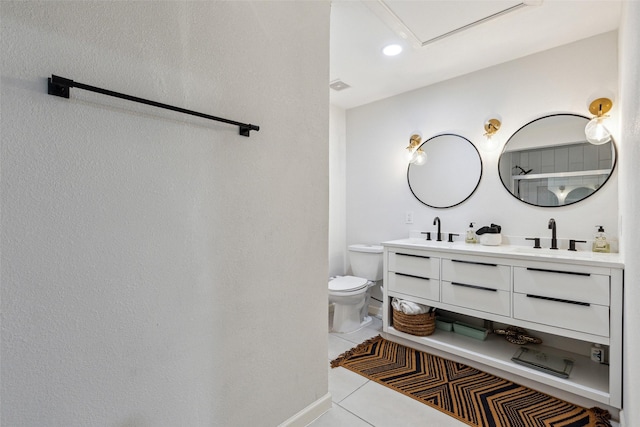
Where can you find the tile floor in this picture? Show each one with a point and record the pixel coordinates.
(359, 402)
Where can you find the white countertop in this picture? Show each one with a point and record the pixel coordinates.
(612, 260)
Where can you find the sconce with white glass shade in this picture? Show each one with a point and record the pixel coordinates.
(491, 127)
(415, 155)
(595, 130)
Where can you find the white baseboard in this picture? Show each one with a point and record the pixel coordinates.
(310, 413)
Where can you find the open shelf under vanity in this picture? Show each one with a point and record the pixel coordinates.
(587, 378)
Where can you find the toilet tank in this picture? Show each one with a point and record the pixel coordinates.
(366, 261)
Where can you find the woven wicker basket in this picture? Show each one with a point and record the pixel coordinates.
(414, 324)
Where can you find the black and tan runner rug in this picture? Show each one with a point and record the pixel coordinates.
(472, 396)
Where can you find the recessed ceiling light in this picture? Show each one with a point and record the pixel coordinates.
(392, 49)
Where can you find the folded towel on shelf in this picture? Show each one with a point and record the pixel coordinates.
(409, 307)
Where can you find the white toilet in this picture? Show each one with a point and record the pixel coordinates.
(350, 294)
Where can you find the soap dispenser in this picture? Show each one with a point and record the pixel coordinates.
(600, 243)
(471, 235)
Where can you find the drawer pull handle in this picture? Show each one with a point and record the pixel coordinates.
(415, 256)
(566, 301)
(482, 288)
(474, 262)
(410, 275)
(575, 273)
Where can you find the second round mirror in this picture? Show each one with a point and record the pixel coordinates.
(549, 163)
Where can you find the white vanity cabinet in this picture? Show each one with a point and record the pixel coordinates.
(574, 299)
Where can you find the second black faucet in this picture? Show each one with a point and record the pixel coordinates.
(554, 237)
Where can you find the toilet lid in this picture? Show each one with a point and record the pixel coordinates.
(347, 283)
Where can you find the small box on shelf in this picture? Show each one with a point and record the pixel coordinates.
(476, 332)
(444, 323)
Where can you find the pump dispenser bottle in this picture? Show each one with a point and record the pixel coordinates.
(600, 243)
(471, 235)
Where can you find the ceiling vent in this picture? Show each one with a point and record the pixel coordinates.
(338, 85)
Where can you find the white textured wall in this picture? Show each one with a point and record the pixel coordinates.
(563, 79)
(337, 192)
(159, 269)
(630, 202)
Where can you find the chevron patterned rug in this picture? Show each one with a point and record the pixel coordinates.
(472, 396)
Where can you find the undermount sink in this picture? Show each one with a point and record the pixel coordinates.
(550, 252)
(528, 250)
(432, 243)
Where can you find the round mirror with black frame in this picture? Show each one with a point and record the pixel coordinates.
(451, 173)
(549, 163)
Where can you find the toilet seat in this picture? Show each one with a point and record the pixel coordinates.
(347, 284)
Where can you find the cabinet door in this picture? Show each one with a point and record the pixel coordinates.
(485, 274)
(416, 286)
(415, 265)
(561, 297)
(575, 315)
(481, 298)
(572, 285)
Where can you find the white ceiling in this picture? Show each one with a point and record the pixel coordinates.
(361, 28)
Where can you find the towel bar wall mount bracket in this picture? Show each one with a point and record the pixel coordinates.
(60, 86)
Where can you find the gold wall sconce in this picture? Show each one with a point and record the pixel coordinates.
(415, 155)
(491, 127)
(595, 131)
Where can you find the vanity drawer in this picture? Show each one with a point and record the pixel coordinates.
(485, 274)
(567, 314)
(487, 299)
(565, 285)
(415, 286)
(415, 265)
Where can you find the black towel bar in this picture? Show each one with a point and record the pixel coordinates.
(59, 86)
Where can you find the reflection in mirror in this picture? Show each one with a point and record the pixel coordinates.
(451, 174)
(548, 162)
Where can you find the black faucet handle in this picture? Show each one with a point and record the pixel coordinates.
(428, 233)
(572, 244)
(451, 237)
(536, 242)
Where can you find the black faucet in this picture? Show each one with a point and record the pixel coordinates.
(554, 238)
(436, 220)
